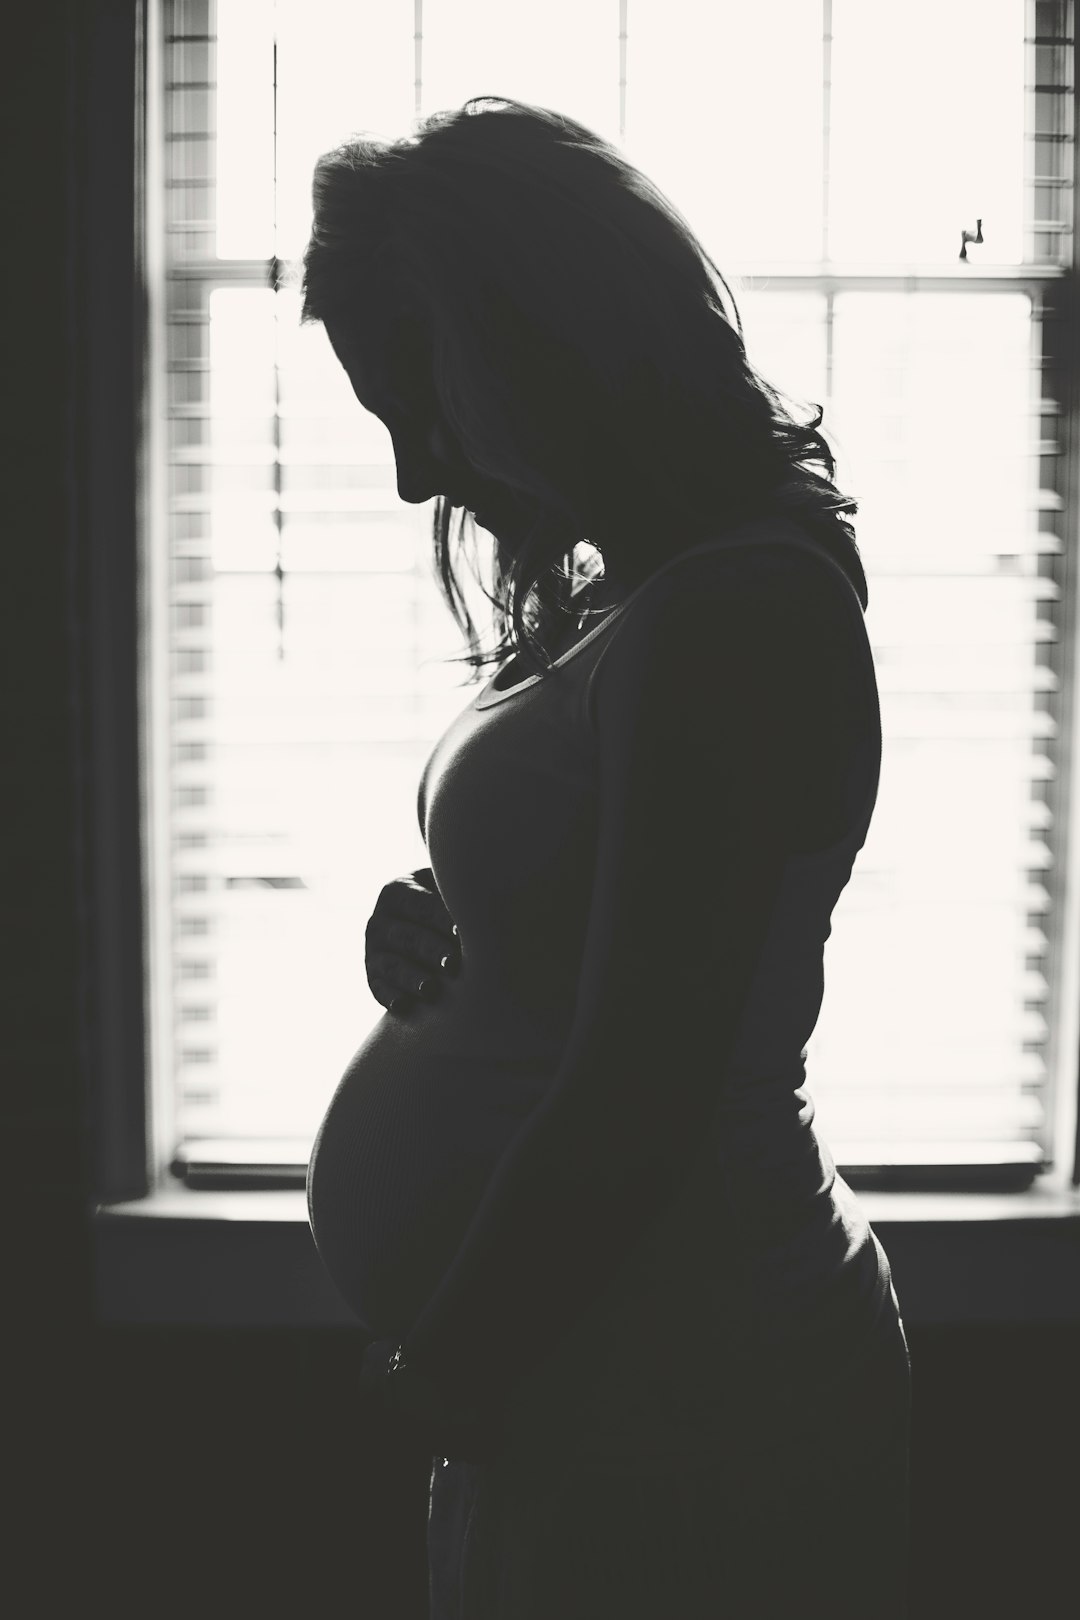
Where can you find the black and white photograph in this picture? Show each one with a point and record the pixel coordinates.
(541, 1033)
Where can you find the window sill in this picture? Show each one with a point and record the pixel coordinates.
(247, 1259)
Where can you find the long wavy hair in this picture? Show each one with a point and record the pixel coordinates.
(582, 345)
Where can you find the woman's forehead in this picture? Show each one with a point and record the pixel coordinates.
(358, 349)
(366, 365)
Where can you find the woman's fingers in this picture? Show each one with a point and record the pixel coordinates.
(390, 976)
(404, 959)
(405, 899)
(403, 971)
(418, 945)
(410, 942)
(388, 992)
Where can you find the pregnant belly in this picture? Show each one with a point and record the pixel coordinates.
(420, 1118)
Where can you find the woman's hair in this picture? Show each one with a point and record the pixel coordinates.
(576, 337)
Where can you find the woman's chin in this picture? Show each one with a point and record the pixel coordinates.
(494, 524)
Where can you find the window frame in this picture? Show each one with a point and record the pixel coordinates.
(168, 1253)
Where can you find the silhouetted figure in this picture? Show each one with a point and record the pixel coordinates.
(573, 1188)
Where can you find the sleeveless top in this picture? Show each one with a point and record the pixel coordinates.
(762, 1266)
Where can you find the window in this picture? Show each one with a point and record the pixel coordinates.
(906, 273)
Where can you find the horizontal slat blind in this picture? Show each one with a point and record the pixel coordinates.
(305, 685)
(929, 1040)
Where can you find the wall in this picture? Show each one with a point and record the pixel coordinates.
(237, 1448)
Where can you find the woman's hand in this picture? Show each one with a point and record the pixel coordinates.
(411, 940)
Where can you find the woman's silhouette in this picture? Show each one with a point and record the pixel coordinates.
(573, 1189)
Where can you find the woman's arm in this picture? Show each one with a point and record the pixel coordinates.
(722, 707)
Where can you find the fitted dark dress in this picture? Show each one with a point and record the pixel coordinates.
(586, 1185)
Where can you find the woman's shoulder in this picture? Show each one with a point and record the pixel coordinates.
(772, 545)
(767, 607)
(774, 558)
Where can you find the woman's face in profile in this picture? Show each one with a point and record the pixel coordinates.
(428, 458)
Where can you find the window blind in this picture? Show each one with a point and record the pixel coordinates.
(304, 682)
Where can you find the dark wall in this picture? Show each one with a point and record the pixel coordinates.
(251, 1430)
(46, 1264)
(190, 1464)
(46, 1257)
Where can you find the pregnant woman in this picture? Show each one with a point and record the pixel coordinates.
(572, 1186)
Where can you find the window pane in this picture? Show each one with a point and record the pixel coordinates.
(927, 132)
(562, 54)
(302, 708)
(245, 129)
(319, 726)
(932, 395)
(342, 69)
(241, 494)
(785, 341)
(924, 965)
(724, 113)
